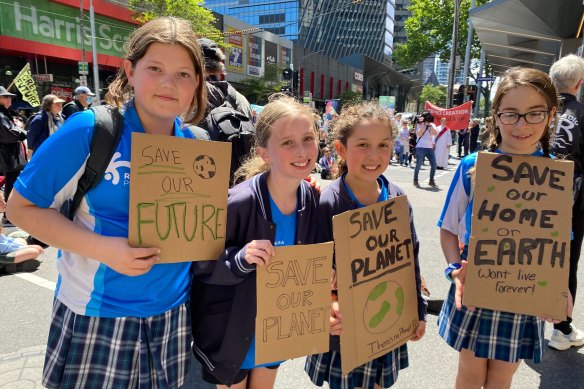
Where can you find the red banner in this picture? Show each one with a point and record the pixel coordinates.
(457, 118)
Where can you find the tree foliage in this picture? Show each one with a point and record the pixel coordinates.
(434, 94)
(257, 90)
(429, 31)
(201, 18)
(349, 98)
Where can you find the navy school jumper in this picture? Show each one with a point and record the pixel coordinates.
(223, 295)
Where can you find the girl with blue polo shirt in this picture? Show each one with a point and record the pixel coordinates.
(119, 320)
(275, 206)
(491, 344)
(364, 145)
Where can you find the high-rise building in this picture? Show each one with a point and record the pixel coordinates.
(402, 13)
(336, 29)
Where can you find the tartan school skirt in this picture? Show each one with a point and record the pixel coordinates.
(382, 371)
(490, 334)
(125, 352)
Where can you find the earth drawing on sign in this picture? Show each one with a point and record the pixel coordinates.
(204, 167)
(384, 306)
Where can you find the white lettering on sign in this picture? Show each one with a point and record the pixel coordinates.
(358, 76)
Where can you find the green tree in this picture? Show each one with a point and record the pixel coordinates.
(349, 98)
(429, 31)
(201, 18)
(434, 94)
(258, 89)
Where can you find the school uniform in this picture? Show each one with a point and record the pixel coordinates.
(224, 291)
(490, 334)
(334, 200)
(108, 330)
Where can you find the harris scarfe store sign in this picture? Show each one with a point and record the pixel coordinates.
(59, 25)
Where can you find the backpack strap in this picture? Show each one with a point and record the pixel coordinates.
(231, 97)
(107, 132)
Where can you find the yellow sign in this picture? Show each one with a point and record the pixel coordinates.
(25, 84)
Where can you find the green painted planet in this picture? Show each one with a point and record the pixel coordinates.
(384, 306)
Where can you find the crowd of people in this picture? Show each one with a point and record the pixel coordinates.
(120, 319)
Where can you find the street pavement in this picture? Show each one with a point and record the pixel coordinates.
(27, 299)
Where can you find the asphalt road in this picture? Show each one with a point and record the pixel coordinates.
(26, 300)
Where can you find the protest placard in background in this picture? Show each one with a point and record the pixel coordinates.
(376, 282)
(518, 257)
(178, 196)
(294, 302)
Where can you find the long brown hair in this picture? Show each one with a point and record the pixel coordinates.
(168, 30)
(280, 106)
(532, 78)
(344, 126)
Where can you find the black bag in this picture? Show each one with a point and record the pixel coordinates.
(108, 129)
(227, 124)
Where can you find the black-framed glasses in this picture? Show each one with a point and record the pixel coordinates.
(533, 117)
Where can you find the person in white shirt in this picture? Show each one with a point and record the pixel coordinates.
(442, 142)
(425, 131)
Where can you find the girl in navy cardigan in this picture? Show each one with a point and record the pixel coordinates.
(273, 207)
(364, 145)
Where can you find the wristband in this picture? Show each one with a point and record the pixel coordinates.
(451, 267)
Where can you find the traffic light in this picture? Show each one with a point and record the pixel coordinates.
(287, 74)
(471, 91)
(459, 97)
(295, 80)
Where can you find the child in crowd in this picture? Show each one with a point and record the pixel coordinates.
(493, 343)
(119, 319)
(16, 254)
(364, 143)
(275, 206)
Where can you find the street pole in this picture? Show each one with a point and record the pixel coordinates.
(454, 45)
(94, 50)
(468, 46)
(82, 30)
(479, 84)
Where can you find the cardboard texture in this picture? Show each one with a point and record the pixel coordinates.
(294, 303)
(178, 196)
(518, 258)
(376, 282)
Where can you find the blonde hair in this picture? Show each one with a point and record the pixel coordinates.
(351, 117)
(169, 30)
(280, 106)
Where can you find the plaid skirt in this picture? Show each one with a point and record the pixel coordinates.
(490, 334)
(124, 352)
(382, 371)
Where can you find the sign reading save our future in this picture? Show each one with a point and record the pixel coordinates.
(518, 259)
(178, 196)
(376, 283)
(294, 303)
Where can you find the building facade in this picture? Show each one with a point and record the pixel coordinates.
(53, 37)
(365, 28)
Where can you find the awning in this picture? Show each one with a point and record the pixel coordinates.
(526, 32)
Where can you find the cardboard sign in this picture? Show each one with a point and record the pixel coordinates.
(518, 258)
(178, 196)
(294, 303)
(376, 282)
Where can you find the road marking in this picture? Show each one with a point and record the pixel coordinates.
(37, 280)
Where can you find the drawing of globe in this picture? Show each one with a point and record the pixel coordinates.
(204, 167)
(384, 307)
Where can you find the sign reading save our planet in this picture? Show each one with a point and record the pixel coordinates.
(376, 280)
(518, 257)
(178, 196)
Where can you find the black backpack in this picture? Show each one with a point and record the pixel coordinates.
(108, 129)
(226, 124)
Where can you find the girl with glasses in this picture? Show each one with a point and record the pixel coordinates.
(491, 344)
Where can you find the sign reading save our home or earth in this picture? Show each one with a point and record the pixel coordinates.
(294, 303)
(518, 257)
(178, 196)
(376, 283)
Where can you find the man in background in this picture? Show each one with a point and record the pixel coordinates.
(81, 101)
(567, 75)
